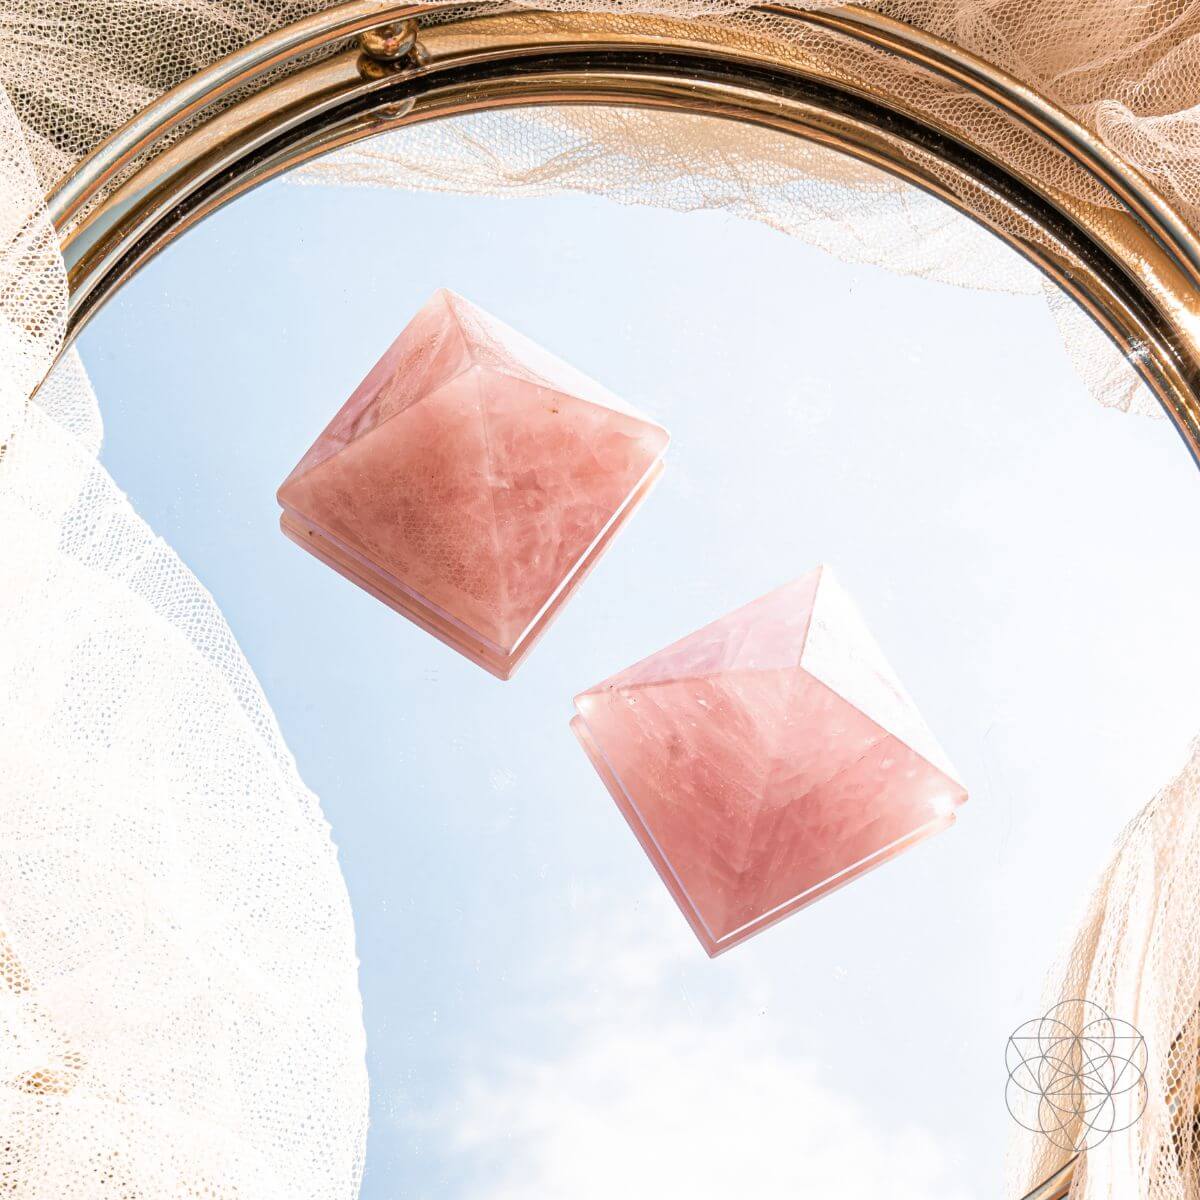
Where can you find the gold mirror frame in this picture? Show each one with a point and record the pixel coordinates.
(1131, 262)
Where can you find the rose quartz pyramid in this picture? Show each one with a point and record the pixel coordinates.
(471, 481)
(767, 759)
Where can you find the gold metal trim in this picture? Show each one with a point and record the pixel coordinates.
(1057, 1186)
(1032, 109)
(1134, 264)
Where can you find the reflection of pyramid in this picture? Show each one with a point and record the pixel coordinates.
(767, 759)
(471, 481)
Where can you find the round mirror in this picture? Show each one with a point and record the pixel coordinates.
(540, 1019)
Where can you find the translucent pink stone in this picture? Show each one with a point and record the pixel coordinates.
(471, 481)
(767, 759)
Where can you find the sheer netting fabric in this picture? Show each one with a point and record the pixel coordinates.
(1136, 954)
(178, 992)
(179, 1006)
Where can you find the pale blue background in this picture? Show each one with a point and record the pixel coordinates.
(540, 1021)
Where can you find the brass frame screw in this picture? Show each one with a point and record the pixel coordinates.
(389, 43)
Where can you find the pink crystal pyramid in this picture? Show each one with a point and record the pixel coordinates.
(767, 759)
(471, 481)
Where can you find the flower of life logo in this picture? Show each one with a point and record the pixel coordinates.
(1076, 1075)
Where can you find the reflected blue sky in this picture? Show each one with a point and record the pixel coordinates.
(541, 1022)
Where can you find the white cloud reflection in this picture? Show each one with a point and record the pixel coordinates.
(645, 1096)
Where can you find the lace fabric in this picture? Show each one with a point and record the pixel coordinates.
(178, 984)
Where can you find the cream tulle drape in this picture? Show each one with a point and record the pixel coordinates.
(1137, 954)
(179, 1010)
(178, 998)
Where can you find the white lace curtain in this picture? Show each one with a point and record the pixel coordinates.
(179, 1007)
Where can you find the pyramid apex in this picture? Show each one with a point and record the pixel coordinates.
(766, 634)
(842, 652)
(453, 299)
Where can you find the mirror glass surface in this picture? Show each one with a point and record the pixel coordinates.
(541, 1022)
